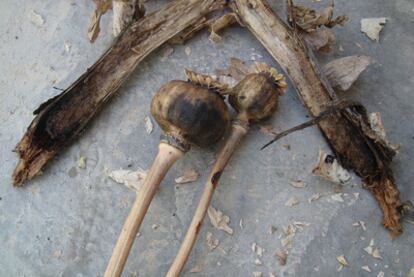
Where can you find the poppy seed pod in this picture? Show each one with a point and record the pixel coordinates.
(256, 97)
(190, 112)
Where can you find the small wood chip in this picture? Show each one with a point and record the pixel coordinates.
(366, 268)
(82, 162)
(219, 220)
(212, 242)
(298, 184)
(148, 125)
(188, 177)
(293, 201)
(281, 254)
(196, 269)
(373, 26)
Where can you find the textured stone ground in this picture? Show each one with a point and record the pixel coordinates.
(65, 223)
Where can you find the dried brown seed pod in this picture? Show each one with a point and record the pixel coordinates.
(256, 97)
(190, 112)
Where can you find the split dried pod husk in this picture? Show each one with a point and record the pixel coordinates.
(255, 98)
(190, 112)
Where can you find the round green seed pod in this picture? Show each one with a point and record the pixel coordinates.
(256, 97)
(189, 112)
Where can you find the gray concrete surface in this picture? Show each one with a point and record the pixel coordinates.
(66, 222)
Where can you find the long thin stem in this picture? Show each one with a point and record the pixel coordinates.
(166, 157)
(236, 135)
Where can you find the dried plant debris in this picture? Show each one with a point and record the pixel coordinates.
(196, 269)
(375, 122)
(281, 255)
(237, 70)
(149, 127)
(129, 178)
(293, 201)
(298, 184)
(257, 262)
(272, 230)
(381, 274)
(102, 6)
(257, 274)
(36, 18)
(361, 224)
(329, 168)
(268, 130)
(219, 24)
(366, 268)
(219, 220)
(342, 262)
(320, 40)
(166, 53)
(337, 197)
(310, 20)
(373, 26)
(257, 249)
(289, 233)
(212, 242)
(343, 72)
(189, 176)
(82, 162)
(314, 197)
(125, 11)
(373, 251)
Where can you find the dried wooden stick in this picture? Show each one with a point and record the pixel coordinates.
(62, 118)
(255, 98)
(189, 113)
(348, 132)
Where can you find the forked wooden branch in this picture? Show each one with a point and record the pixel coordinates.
(61, 119)
(348, 132)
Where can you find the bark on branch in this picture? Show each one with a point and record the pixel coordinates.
(62, 118)
(348, 132)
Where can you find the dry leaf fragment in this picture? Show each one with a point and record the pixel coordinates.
(131, 179)
(281, 254)
(366, 268)
(373, 26)
(257, 249)
(36, 18)
(343, 72)
(188, 177)
(221, 23)
(360, 224)
(320, 40)
(292, 201)
(82, 162)
(148, 125)
(268, 130)
(237, 70)
(376, 254)
(211, 241)
(257, 274)
(329, 168)
(298, 184)
(289, 232)
(219, 220)
(309, 20)
(102, 6)
(381, 274)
